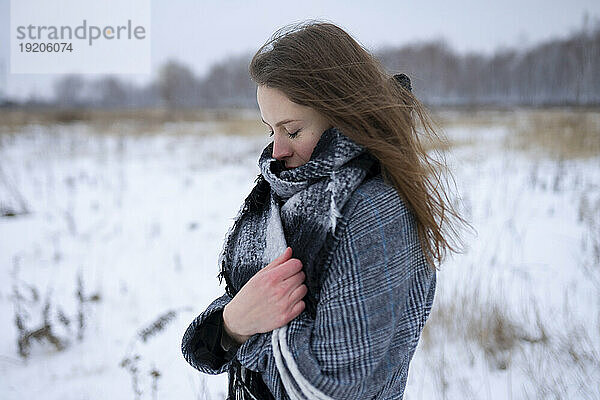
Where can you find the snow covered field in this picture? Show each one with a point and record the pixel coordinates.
(113, 251)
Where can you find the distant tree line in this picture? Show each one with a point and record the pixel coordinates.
(557, 72)
(225, 85)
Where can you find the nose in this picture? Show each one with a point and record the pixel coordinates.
(280, 149)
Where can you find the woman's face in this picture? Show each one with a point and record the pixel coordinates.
(296, 129)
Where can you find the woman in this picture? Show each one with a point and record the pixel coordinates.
(331, 263)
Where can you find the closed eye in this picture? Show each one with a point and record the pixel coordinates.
(290, 135)
(293, 135)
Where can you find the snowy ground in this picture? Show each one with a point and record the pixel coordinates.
(139, 220)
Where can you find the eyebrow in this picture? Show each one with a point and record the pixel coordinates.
(285, 121)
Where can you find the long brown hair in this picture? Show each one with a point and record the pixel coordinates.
(317, 64)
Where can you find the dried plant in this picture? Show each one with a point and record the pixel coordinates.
(82, 300)
(131, 365)
(158, 325)
(155, 374)
(42, 333)
(564, 134)
(45, 330)
(6, 210)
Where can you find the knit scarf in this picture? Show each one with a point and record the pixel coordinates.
(295, 207)
(298, 208)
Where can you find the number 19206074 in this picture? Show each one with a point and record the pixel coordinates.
(45, 47)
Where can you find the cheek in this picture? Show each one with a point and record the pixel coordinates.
(303, 150)
(308, 147)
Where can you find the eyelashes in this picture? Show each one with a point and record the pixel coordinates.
(291, 135)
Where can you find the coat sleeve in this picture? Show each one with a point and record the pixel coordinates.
(201, 343)
(375, 299)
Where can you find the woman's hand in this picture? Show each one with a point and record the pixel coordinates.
(269, 300)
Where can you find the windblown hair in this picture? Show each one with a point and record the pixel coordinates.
(317, 64)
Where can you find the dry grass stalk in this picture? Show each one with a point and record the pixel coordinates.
(158, 325)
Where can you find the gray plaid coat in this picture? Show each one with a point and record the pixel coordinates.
(376, 295)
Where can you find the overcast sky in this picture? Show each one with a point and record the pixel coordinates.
(199, 33)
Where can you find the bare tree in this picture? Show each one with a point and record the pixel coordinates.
(68, 90)
(227, 83)
(177, 85)
(111, 92)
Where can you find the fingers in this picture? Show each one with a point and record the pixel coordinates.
(291, 314)
(297, 309)
(294, 281)
(288, 269)
(287, 253)
(298, 293)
